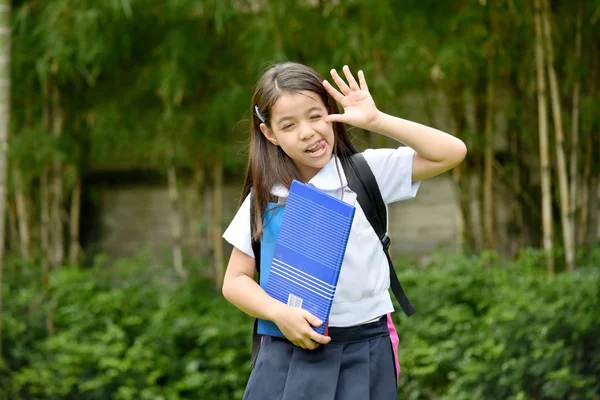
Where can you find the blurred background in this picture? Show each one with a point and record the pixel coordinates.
(125, 124)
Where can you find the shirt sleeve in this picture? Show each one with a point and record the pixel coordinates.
(238, 232)
(393, 171)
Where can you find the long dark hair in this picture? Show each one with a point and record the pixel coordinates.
(268, 164)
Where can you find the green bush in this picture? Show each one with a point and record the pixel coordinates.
(485, 329)
(505, 332)
(121, 333)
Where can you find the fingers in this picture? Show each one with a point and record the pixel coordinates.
(337, 96)
(350, 78)
(362, 80)
(336, 118)
(312, 340)
(340, 82)
(320, 339)
(313, 320)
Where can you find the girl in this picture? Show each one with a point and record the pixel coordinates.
(297, 133)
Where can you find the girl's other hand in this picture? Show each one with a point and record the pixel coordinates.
(359, 107)
(295, 323)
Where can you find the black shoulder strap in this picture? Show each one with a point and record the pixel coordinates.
(362, 182)
(256, 249)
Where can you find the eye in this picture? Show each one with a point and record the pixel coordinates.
(287, 127)
(315, 117)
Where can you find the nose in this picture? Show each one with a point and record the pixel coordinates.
(306, 132)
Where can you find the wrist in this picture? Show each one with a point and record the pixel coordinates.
(377, 123)
(276, 310)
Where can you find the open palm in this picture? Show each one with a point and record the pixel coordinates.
(355, 99)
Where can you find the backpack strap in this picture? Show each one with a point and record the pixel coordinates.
(362, 182)
(256, 338)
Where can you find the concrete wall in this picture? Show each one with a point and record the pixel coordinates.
(135, 218)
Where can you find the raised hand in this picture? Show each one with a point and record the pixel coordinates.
(359, 107)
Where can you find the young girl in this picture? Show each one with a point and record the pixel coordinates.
(297, 133)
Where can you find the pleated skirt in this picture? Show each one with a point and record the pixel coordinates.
(358, 364)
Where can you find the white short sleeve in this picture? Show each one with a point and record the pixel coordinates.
(238, 232)
(393, 171)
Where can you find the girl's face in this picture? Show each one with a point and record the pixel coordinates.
(298, 126)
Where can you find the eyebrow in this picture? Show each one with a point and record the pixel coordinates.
(313, 108)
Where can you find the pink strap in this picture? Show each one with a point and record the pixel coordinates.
(395, 341)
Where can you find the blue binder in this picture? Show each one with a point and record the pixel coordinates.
(302, 251)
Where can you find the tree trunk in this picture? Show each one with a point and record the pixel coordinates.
(22, 213)
(574, 172)
(516, 228)
(5, 52)
(45, 233)
(489, 217)
(589, 164)
(584, 221)
(45, 224)
(563, 179)
(478, 155)
(12, 238)
(199, 200)
(75, 248)
(593, 232)
(176, 223)
(217, 217)
(544, 148)
(56, 211)
(465, 239)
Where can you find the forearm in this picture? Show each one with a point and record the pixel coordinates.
(428, 142)
(243, 292)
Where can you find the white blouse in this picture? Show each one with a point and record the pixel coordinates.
(362, 292)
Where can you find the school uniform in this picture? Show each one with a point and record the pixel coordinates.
(360, 362)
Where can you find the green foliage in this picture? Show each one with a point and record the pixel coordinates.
(501, 332)
(127, 333)
(485, 329)
(147, 83)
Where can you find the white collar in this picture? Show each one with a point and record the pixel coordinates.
(327, 179)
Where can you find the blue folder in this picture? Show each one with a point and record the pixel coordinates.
(303, 247)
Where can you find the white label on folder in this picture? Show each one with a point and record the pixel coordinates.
(294, 301)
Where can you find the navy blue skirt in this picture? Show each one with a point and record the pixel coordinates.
(358, 364)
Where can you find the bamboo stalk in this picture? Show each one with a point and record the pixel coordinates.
(489, 218)
(594, 210)
(465, 239)
(587, 195)
(45, 224)
(75, 248)
(5, 52)
(478, 172)
(217, 215)
(176, 222)
(198, 179)
(584, 220)
(574, 172)
(56, 213)
(22, 213)
(563, 179)
(13, 231)
(516, 208)
(547, 227)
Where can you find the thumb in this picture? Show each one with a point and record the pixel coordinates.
(336, 118)
(314, 321)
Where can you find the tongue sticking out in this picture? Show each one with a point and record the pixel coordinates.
(317, 148)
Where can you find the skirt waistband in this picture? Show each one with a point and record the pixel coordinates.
(358, 333)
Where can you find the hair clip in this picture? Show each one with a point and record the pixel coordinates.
(258, 114)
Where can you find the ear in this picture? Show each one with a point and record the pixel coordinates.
(269, 134)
